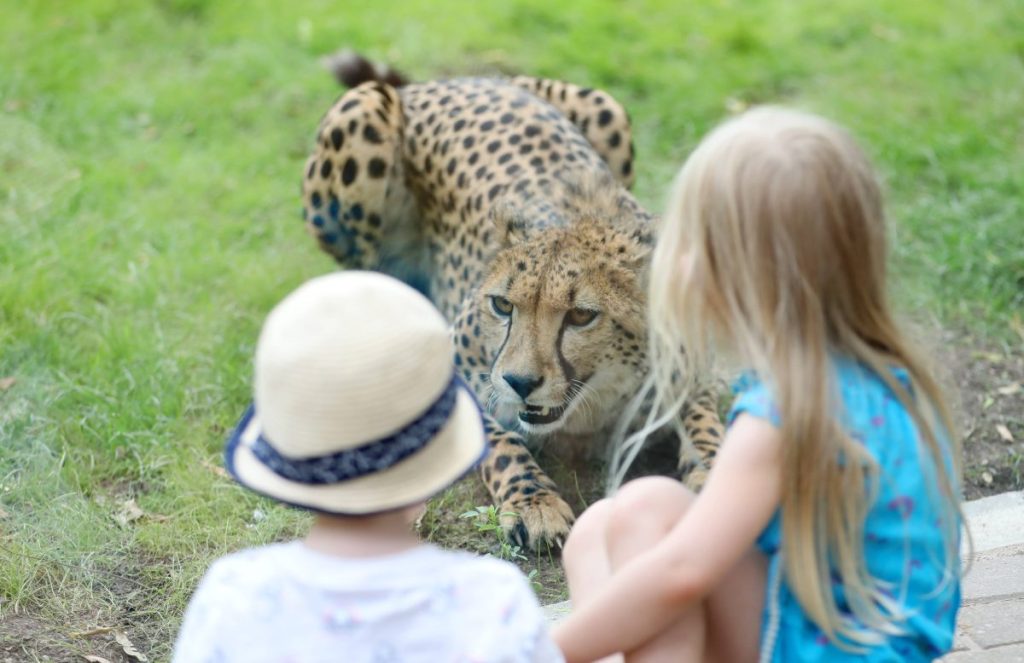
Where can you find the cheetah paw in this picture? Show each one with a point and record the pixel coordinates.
(537, 522)
(695, 477)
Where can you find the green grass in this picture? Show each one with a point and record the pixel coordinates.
(150, 157)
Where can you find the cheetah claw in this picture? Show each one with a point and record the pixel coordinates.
(544, 523)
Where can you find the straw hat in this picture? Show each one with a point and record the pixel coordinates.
(357, 407)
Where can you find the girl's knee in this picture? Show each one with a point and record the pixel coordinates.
(656, 493)
(589, 531)
(648, 505)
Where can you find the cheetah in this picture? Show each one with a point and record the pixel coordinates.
(506, 201)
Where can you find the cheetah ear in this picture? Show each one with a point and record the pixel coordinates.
(509, 222)
(637, 239)
(640, 255)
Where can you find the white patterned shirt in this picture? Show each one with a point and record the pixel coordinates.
(285, 603)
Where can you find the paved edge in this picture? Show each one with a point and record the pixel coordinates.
(996, 522)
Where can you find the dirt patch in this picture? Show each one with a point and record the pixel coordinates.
(110, 609)
(27, 637)
(988, 382)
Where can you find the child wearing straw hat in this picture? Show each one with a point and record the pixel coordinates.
(359, 418)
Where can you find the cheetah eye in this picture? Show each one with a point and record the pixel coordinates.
(501, 306)
(581, 317)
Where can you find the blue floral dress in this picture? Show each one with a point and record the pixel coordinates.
(903, 543)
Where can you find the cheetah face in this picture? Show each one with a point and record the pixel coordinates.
(564, 313)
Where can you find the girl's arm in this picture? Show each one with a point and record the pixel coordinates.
(647, 594)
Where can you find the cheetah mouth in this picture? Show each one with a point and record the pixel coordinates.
(538, 415)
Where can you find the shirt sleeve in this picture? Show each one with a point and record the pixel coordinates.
(754, 398)
(198, 639)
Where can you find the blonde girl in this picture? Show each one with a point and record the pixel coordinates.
(828, 529)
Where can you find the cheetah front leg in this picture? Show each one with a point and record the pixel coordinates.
(704, 432)
(355, 202)
(601, 119)
(534, 515)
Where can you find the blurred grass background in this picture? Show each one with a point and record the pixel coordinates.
(150, 158)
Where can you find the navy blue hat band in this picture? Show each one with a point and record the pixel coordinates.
(365, 459)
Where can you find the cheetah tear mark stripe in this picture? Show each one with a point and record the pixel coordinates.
(366, 459)
(501, 348)
(567, 368)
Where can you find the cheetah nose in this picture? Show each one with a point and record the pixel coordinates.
(523, 384)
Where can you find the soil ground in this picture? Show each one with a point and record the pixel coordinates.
(990, 383)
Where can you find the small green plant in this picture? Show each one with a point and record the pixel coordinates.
(1016, 467)
(534, 582)
(488, 519)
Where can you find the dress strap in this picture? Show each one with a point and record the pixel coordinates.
(771, 632)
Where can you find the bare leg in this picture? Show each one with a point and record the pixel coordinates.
(734, 610)
(725, 627)
(587, 567)
(643, 513)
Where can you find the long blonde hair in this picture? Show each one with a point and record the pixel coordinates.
(774, 247)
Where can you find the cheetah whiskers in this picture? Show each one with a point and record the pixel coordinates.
(491, 399)
(583, 392)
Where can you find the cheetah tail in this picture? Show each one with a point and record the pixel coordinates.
(352, 69)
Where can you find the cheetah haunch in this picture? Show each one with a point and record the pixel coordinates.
(506, 202)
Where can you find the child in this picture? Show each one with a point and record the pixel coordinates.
(828, 528)
(358, 417)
